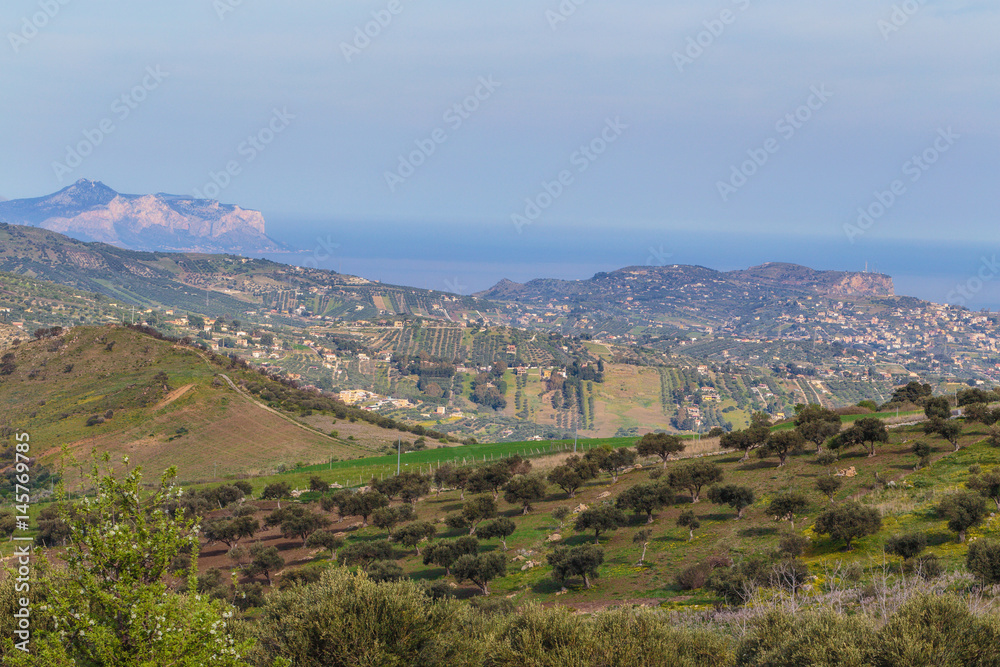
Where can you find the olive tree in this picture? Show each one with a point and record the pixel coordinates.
(963, 510)
(817, 424)
(276, 491)
(737, 497)
(617, 461)
(582, 561)
(474, 511)
(748, 439)
(326, 539)
(983, 560)
(302, 523)
(937, 407)
(662, 445)
(480, 569)
(265, 560)
(688, 520)
(828, 485)
(906, 546)
(645, 498)
(365, 553)
(524, 490)
(987, 484)
(445, 553)
(695, 475)
(412, 534)
(848, 521)
(781, 444)
(490, 478)
(869, 431)
(501, 528)
(786, 505)
(363, 504)
(946, 428)
(573, 474)
(601, 519)
(923, 452)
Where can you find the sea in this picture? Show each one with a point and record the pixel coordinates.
(469, 257)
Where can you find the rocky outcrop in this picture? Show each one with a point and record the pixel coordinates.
(863, 284)
(828, 283)
(91, 211)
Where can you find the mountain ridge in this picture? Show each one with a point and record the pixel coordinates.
(91, 211)
(791, 277)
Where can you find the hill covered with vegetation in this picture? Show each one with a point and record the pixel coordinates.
(127, 391)
(834, 540)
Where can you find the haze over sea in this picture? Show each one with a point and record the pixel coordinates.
(471, 257)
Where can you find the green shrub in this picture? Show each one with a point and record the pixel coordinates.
(940, 631)
(623, 637)
(926, 567)
(738, 583)
(781, 639)
(983, 560)
(906, 546)
(348, 619)
(385, 570)
(793, 545)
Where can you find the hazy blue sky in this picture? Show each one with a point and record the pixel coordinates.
(682, 92)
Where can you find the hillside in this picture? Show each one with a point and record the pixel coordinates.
(161, 404)
(693, 293)
(35, 304)
(214, 284)
(91, 211)
(905, 499)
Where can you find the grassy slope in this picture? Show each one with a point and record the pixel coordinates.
(907, 507)
(59, 383)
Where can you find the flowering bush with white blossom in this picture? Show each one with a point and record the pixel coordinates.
(111, 604)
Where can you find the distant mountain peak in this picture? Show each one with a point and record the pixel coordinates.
(89, 210)
(82, 193)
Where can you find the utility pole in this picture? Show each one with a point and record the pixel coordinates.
(399, 454)
(574, 438)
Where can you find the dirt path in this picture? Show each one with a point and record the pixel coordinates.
(173, 396)
(288, 419)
